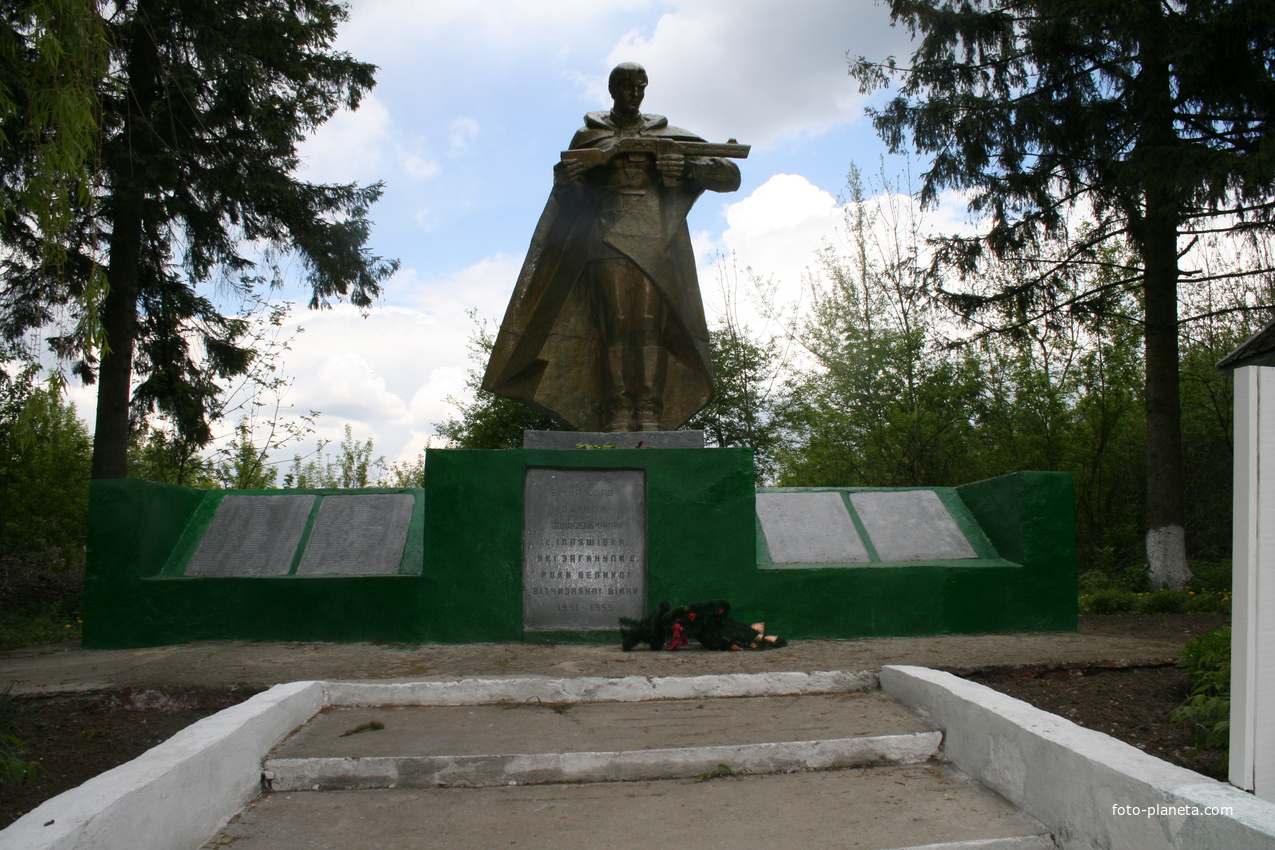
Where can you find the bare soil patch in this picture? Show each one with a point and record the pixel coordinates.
(1132, 704)
(74, 738)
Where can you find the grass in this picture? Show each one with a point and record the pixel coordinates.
(370, 726)
(1128, 592)
(1207, 712)
(36, 625)
(13, 769)
(722, 771)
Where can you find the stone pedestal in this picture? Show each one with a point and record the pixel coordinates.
(610, 440)
(567, 541)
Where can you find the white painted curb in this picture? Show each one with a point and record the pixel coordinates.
(1075, 780)
(177, 794)
(1017, 842)
(485, 771)
(596, 688)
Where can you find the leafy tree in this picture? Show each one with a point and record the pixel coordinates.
(353, 466)
(52, 63)
(166, 456)
(44, 465)
(886, 403)
(406, 473)
(259, 398)
(200, 123)
(1222, 319)
(159, 451)
(243, 465)
(489, 421)
(1153, 117)
(1068, 397)
(746, 396)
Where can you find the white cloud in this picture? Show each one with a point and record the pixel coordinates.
(352, 388)
(773, 236)
(389, 374)
(350, 146)
(419, 167)
(392, 30)
(758, 70)
(463, 131)
(426, 220)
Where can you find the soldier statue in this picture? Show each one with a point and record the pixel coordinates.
(605, 330)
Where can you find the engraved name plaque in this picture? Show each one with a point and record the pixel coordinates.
(809, 528)
(252, 536)
(358, 535)
(583, 548)
(911, 525)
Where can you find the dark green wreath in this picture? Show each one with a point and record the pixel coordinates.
(707, 622)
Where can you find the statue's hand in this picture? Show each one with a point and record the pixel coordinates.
(672, 167)
(567, 171)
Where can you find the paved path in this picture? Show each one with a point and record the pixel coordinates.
(472, 777)
(883, 807)
(64, 668)
(907, 806)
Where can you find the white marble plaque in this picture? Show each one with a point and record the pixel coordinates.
(911, 525)
(252, 536)
(360, 534)
(583, 548)
(809, 528)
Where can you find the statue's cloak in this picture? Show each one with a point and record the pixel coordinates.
(548, 352)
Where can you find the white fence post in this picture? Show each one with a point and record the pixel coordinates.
(1252, 765)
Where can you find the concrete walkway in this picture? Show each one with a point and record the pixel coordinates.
(706, 772)
(531, 750)
(875, 809)
(65, 668)
(899, 804)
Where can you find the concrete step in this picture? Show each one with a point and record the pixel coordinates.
(537, 743)
(707, 770)
(929, 806)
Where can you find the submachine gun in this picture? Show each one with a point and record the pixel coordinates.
(655, 146)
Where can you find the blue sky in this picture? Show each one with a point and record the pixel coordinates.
(472, 105)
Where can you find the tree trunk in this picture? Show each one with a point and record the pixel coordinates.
(119, 327)
(1166, 543)
(1158, 241)
(119, 310)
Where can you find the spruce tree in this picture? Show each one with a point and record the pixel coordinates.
(1149, 118)
(201, 115)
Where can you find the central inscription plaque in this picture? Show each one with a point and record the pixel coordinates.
(583, 548)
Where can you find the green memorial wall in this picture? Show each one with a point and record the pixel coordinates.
(445, 564)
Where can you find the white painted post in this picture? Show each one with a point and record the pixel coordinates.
(1253, 584)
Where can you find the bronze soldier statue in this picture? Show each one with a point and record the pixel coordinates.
(605, 330)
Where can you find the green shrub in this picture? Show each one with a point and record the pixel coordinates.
(1206, 655)
(1092, 581)
(1207, 711)
(13, 770)
(1102, 599)
(34, 625)
(1163, 602)
(1112, 600)
(1134, 579)
(1211, 576)
(1209, 603)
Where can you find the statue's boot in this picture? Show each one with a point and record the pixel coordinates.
(651, 399)
(619, 399)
